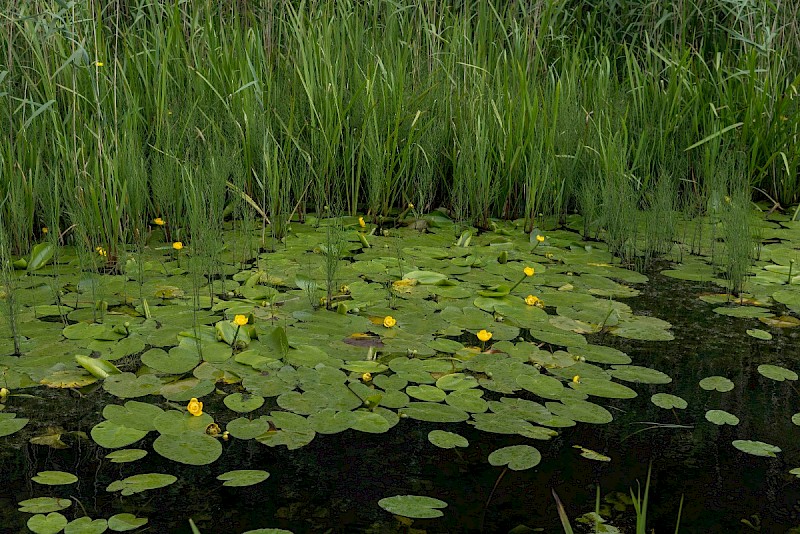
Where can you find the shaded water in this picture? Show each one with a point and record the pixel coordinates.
(333, 484)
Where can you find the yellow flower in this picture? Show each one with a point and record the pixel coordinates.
(98, 63)
(195, 407)
(528, 271)
(101, 251)
(540, 238)
(366, 377)
(240, 320)
(361, 222)
(410, 206)
(158, 221)
(177, 245)
(532, 300)
(44, 230)
(576, 379)
(484, 335)
(389, 321)
(4, 393)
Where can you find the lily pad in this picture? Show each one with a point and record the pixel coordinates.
(86, 525)
(581, 411)
(54, 478)
(589, 454)
(756, 448)
(243, 402)
(602, 388)
(112, 435)
(43, 505)
(637, 374)
(51, 523)
(447, 440)
(433, 412)
(777, 373)
(668, 401)
(516, 457)
(140, 483)
(718, 383)
(413, 506)
(188, 448)
(243, 477)
(721, 417)
(759, 334)
(125, 522)
(426, 393)
(126, 455)
(9, 424)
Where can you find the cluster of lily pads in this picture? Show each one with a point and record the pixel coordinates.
(488, 330)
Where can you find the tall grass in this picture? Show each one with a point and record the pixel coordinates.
(491, 109)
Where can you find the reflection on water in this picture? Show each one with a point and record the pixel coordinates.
(334, 483)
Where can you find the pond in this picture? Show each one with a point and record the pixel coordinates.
(319, 406)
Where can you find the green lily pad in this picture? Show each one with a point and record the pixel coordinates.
(140, 483)
(721, 417)
(796, 419)
(179, 360)
(447, 440)
(243, 477)
(756, 448)
(86, 525)
(600, 354)
(9, 424)
(330, 421)
(777, 373)
(433, 412)
(759, 334)
(43, 505)
(188, 447)
(516, 457)
(468, 400)
(243, 428)
(542, 385)
(668, 401)
(426, 393)
(456, 382)
(51, 523)
(54, 478)
(637, 374)
(134, 414)
(125, 522)
(413, 506)
(581, 411)
(603, 388)
(128, 385)
(112, 435)
(243, 402)
(371, 422)
(589, 454)
(718, 383)
(126, 455)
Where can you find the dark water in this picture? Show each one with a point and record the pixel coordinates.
(334, 483)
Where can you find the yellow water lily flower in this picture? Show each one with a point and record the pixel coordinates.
(177, 245)
(361, 222)
(158, 221)
(45, 229)
(3, 393)
(366, 377)
(389, 321)
(576, 379)
(195, 407)
(532, 300)
(240, 320)
(528, 271)
(98, 63)
(410, 206)
(484, 335)
(101, 251)
(540, 238)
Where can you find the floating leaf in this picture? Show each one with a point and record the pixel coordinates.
(719, 383)
(516, 457)
(592, 455)
(796, 419)
(43, 505)
(756, 448)
(603, 388)
(581, 411)
(134, 414)
(125, 522)
(86, 525)
(140, 483)
(795, 472)
(426, 393)
(642, 375)
(413, 506)
(111, 435)
(668, 401)
(54, 478)
(775, 372)
(97, 367)
(434, 413)
(40, 255)
(243, 477)
(9, 424)
(243, 402)
(759, 334)
(721, 417)
(126, 455)
(447, 440)
(188, 447)
(51, 523)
